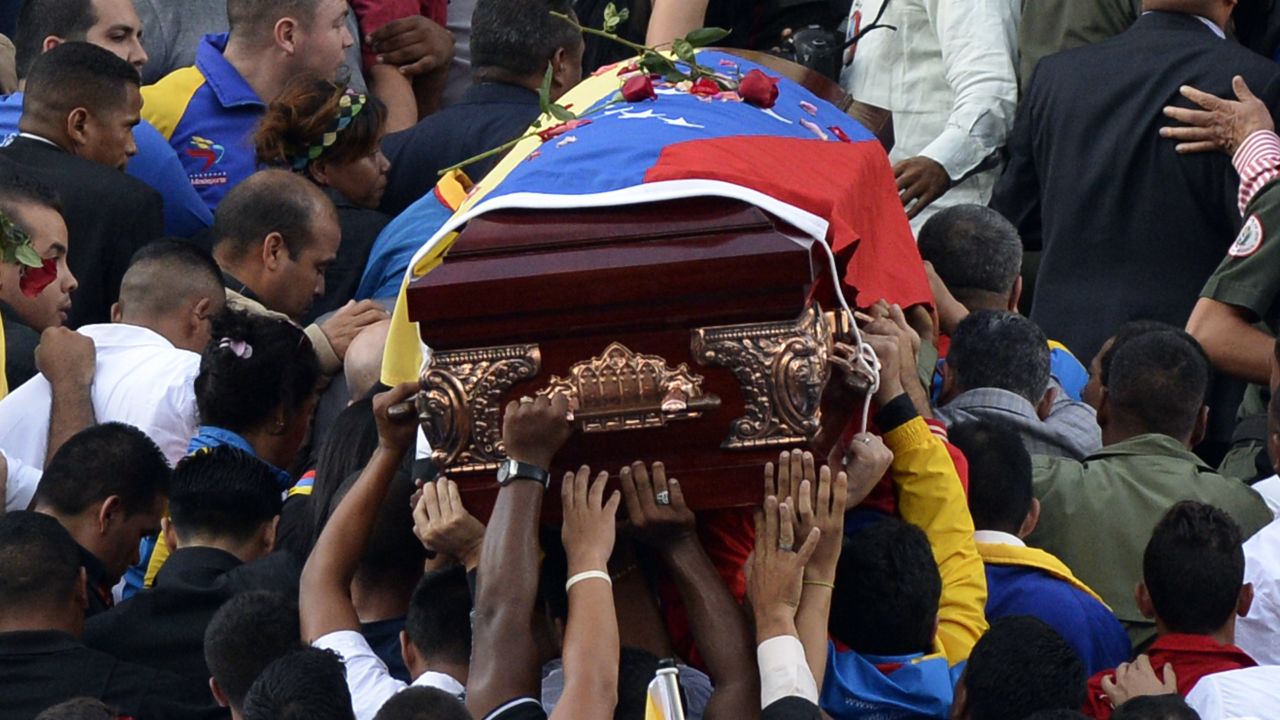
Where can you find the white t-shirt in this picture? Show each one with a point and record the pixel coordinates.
(370, 683)
(1245, 694)
(1259, 632)
(141, 379)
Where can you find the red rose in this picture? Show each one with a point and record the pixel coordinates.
(759, 89)
(638, 88)
(35, 279)
(705, 87)
(556, 131)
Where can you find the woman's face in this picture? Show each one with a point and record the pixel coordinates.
(362, 181)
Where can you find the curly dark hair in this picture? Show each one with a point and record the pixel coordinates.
(303, 112)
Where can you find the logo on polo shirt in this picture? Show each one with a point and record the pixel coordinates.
(210, 152)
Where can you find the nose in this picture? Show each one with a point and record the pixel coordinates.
(384, 164)
(131, 146)
(70, 283)
(347, 40)
(138, 55)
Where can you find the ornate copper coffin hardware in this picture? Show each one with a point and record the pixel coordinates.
(623, 390)
(460, 403)
(783, 368)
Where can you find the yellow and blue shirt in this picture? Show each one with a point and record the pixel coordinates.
(208, 113)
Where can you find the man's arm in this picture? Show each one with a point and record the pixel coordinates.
(68, 361)
(673, 19)
(979, 40)
(591, 635)
(418, 51)
(931, 498)
(1017, 192)
(719, 627)
(327, 613)
(1229, 337)
(504, 656)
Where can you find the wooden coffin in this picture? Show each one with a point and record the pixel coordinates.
(695, 332)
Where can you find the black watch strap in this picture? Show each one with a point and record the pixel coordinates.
(512, 470)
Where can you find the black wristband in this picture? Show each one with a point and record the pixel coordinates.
(896, 413)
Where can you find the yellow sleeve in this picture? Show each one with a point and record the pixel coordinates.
(931, 498)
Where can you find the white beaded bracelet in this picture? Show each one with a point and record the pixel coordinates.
(588, 575)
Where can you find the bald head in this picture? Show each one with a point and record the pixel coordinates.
(269, 201)
(174, 288)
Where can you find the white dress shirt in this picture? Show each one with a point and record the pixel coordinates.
(784, 671)
(1258, 633)
(947, 75)
(1245, 694)
(370, 683)
(1269, 489)
(141, 379)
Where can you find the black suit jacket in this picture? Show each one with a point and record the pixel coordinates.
(109, 215)
(1129, 229)
(489, 115)
(163, 627)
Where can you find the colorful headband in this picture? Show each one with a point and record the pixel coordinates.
(349, 106)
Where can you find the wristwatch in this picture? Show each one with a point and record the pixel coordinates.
(513, 470)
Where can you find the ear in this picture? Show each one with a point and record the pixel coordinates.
(111, 510)
(199, 311)
(949, 390)
(1031, 520)
(274, 251)
(270, 531)
(960, 700)
(560, 74)
(1015, 295)
(1245, 601)
(116, 314)
(171, 539)
(1202, 426)
(77, 123)
(1143, 598)
(50, 43)
(319, 171)
(1104, 407)
(408, 652)
(218, 695)
(1045, 406)
(82, 590)
(285, 35)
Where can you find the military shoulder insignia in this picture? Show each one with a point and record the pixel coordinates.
(1249, 239)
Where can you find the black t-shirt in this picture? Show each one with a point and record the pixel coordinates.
(519, 709)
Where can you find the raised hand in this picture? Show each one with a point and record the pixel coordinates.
(66, 357)
(443, 525)
(347, 322)
(776, 575)
(866, 462)
(414, 44)
(533, 430)
(653, 521)
(824, 510)
(396, 431)
(589, 526)
(1138, 678)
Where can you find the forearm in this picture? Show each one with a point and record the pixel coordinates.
(673, 19)
(396, 92)
(1233, 344)
(504, 658)
(811, 626)
(70, 411)
(324, 593)
(591, 649)
(719, 629)
(931, 498)
(428, 89)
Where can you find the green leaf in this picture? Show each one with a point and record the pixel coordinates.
(614, 17)
(702, 37)
(561, 113)
(544, 92)
(684, 50)
(655, 63)
(28, 256)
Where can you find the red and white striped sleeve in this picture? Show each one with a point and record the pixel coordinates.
(1257, 160)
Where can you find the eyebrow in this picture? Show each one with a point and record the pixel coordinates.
(58, 249)
(122, 26)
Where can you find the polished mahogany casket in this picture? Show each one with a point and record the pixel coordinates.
(697, 332)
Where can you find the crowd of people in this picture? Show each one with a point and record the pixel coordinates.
(1065, 504)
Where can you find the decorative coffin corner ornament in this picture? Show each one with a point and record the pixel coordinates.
(783, 368)
(623, 390)
(460, 403)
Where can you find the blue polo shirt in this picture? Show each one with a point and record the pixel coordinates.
(208, 114)
(185, 214)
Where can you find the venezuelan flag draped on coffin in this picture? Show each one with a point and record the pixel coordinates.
(664, 262)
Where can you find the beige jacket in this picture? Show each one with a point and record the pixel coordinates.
(330, 363)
